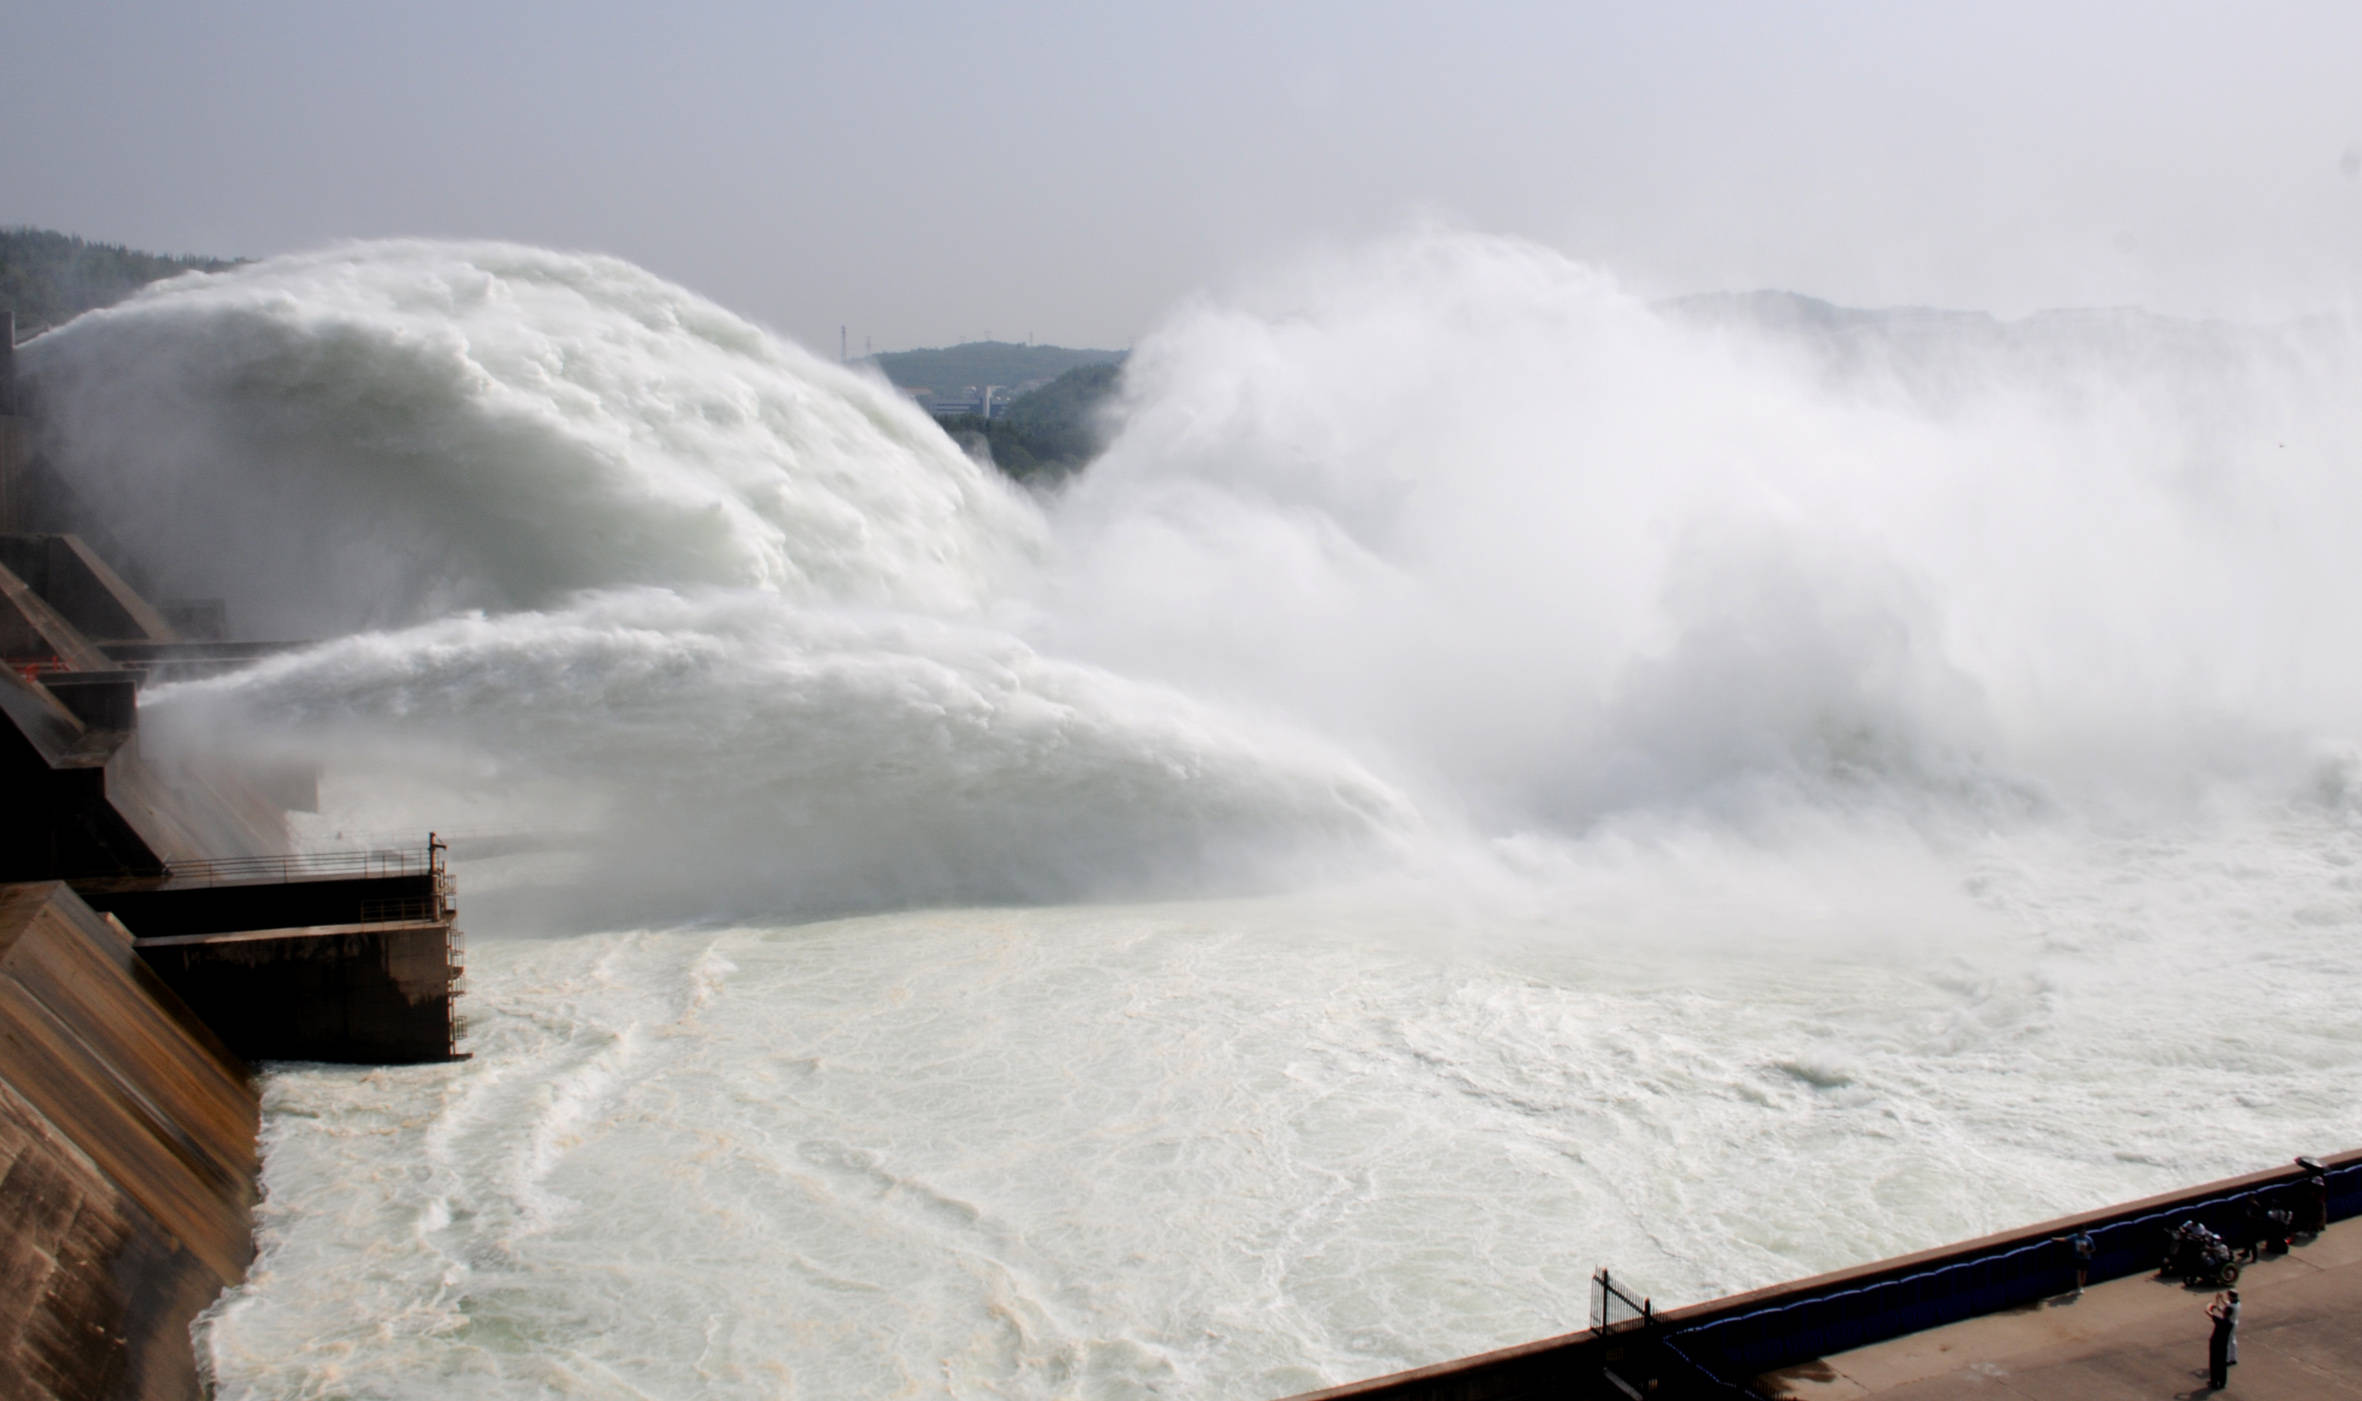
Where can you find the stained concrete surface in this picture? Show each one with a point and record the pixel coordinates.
(2300, 1336)
(127, 1162)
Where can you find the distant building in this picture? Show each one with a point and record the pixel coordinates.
(987, 401)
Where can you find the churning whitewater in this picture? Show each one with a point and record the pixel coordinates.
(1486, 776)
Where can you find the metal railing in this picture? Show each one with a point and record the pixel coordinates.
(315, 865)
(1968, 1286)
(1613, 1302)
(1618, 1307)
(398, 911)
(455, 983)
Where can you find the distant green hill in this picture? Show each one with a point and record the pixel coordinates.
(985, 362)
(1052, 432)
(49, 278)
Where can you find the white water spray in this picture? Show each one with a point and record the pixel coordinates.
(384, 433)
(1906, 759)
(1452, 518)
(1559, 554)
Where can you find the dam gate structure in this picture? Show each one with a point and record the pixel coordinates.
(335, 956)
(158, 933)
(319, 956)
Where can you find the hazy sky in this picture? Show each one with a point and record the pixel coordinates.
(933, 171)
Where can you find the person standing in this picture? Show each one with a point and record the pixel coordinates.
(2080, 1243)
(2222, 1346)
(2254, 1227)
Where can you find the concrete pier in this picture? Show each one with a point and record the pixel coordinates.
(350, 957)
(367, 994)
(341, 957)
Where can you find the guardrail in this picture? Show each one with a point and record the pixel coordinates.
(1717, 1348)
(1727, 1342)
(313, 865)
(398, 911)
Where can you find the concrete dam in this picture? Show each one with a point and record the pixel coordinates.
(161, 933)
(157, 936)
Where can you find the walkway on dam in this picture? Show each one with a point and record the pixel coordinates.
(2300, 1336)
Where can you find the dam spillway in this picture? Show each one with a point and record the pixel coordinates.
(156, 938)
(337, 956)
(332, 956)
(1801, 798)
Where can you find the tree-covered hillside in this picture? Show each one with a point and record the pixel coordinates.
(1051, 432)
(985, 362)
(49, 278)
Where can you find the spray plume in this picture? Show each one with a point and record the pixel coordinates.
(1445, 543)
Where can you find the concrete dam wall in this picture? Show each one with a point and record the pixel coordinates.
(127, 1159)
(157, 936)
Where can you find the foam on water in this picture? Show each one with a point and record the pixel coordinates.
(1733, 790)
(1243, 1149)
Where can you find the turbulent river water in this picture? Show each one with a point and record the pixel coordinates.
(1486, 777)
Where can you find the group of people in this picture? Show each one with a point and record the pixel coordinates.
(2192, 1252)
(2199, 1255)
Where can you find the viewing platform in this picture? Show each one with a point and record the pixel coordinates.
(2300, 1335)
(1973, 1319)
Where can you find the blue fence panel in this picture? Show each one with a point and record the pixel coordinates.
(1851, 1316)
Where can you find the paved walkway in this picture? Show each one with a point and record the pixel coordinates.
(2300, 1336)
